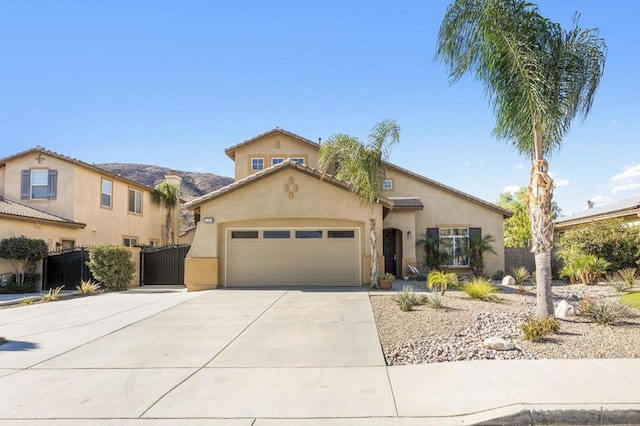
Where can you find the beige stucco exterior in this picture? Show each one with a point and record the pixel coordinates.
(78, 199)
(264, 199)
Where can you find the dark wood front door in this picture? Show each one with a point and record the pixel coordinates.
(389, 251)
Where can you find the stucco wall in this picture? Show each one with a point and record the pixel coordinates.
(445, 209)
(265, 203)
(275, 145)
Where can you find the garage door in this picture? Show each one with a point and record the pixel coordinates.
(300, 257)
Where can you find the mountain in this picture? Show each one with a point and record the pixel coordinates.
(193, 184)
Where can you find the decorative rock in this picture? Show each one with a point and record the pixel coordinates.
(508, 280)
(564, 309)
(498, 344)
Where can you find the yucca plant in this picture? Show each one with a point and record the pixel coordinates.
(628, 276)
(441, 280)
(88, 287)
(52, 294)
(482, 289)
(406, 299)
(520, 275)
(434, 300)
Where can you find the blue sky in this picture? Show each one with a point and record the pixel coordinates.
(173, 83)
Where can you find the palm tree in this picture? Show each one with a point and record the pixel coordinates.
(167, 195)
(478, 246)
(538, 78)
(441, 280)
(363, 167)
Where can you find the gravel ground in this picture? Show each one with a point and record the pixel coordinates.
(456, 333)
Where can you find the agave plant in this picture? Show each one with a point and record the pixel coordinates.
(520, 275)
(628, 276)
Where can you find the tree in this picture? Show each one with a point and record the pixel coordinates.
(538, 78)
(363, 167)
(22, 252)
(167, 195)
(517, 228)
(478, 246)
(441, 280)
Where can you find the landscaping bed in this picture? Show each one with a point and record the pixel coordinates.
(456, 332)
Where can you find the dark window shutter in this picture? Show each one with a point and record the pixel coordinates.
(433, 234)
(25, 185)
(52, 187)
(475, 233)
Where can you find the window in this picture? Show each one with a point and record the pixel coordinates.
(67, 244)
(257, 163)
(130, 241)
(308, 234)
(455, 243)
(38, 184)
(277, 234)
(135, 201)
(340, 234)
(106, 193)
(275, 161)
(387, 184)
(298, 160)
(244, 234)
(154, 243)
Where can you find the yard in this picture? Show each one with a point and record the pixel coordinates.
(457, 331)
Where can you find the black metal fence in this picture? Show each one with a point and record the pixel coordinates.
(66, 268)
(163, 265)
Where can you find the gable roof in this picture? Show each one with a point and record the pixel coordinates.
(231, 151)
(505, 213)
(93, 167)
(625, 207)
(286, 164)
(13, 210)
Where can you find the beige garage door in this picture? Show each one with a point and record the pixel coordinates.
(300, 257)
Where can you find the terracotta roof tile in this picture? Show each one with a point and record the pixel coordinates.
(15, 210)
(412, 203)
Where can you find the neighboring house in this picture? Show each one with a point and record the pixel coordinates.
(68, 203)
(283, 223)
(627, 209)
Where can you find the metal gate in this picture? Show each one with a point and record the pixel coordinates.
(163, 265)
(66, 268)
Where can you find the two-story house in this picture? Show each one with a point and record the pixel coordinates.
(282, 223)
(68, 203)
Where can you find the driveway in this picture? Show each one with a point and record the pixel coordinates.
(265, 357)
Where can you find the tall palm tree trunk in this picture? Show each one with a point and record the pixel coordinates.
(169, 227)
(374, 250)
(540, 198)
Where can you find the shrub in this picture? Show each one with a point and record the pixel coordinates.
(628, 276)
(498, 276)
(386, 277)
(26, 302)
(421, 277)
(406, 299)
(29, 284)
(22, 252)
(88, 288)
(610, 240)
(481, 288)
(584, 305)
(53, 294)
(441, 280)
(434, 300)
(536, 329)
(618, 285)
(605, 313)
(590, 268)
(520, 275)
(112, 266)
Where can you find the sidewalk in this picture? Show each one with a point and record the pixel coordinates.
(271, 357)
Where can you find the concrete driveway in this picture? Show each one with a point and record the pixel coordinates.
(261, 357)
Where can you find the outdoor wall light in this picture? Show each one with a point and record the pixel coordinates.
(409, 235)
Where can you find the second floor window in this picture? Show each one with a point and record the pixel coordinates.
(107, 192)
(135, 201)
(39, 184)
(257, 163)
(387, 184)
(299, 160)
(275, 161)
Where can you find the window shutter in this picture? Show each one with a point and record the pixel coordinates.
(432, 234)
(475, 233)
(25, 185)
(52, 185)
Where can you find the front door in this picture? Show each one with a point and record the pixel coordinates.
(389, 251)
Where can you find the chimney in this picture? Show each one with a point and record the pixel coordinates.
(589, 205)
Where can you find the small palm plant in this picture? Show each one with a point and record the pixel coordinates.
(441, 280)
(590, 268)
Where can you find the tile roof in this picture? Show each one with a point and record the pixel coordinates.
(408, 203)
(627, 206)
(14, 210)
(286, 164)
(231, 151)
(39, 149)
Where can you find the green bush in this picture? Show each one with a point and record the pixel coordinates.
(536, 329)
(482, 289)
(112, 266)
(22, 252)
(498, 276)
(610, 240)
(421, 277)
(30, 284)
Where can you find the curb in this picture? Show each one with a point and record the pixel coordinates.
(614, 414)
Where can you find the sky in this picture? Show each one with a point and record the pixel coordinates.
(174, 83)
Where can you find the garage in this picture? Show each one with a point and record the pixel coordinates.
(298, 257)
